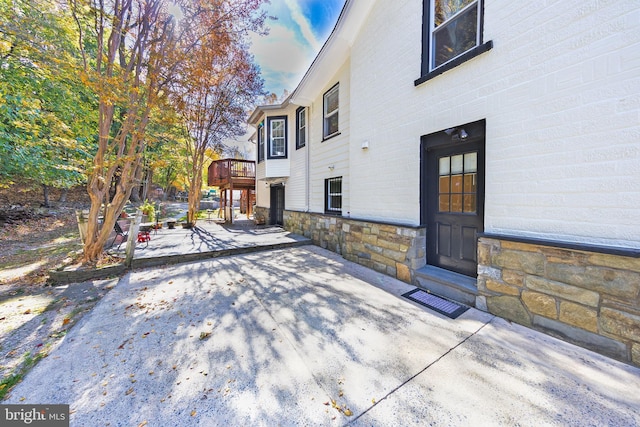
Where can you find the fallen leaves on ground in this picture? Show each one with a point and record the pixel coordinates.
(342, 409)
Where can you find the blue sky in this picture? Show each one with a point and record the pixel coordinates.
(294, 40)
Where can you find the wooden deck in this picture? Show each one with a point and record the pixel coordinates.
(232, 174)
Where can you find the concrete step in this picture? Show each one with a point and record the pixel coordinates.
(447, 284)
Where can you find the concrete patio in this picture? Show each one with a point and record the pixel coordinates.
(209, 239)
(300, 336)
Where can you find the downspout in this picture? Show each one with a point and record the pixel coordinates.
(308, 162)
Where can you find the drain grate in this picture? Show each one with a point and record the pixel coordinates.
(435, 303)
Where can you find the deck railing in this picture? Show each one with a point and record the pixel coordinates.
(222, 172)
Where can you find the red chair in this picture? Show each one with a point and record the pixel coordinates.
(144, 237)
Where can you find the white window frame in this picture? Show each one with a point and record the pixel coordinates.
(301, 124)
(433, 30)
(273, 154)
(262, 147)
(328, 115)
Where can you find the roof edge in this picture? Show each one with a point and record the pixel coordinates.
(334, 52)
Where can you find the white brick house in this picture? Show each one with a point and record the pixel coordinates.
(489, 152)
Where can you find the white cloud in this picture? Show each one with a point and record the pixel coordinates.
(283, 58)
(303, 23)
(286, 53)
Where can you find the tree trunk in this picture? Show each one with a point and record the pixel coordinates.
(98, 232)
(195, 189)
(135, 195)
(45, 193)
(167, 179)
(146, 183)
(195, 182)
(63, 195)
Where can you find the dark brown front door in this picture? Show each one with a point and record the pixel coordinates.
(455, 204)
(277, 205)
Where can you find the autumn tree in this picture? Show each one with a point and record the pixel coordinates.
(127, 69)
(164, 141)
(141, 47)
(47, 117)
(217, 89)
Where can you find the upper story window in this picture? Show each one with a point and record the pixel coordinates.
(277, 137)
(330, 108)
(452, 34)
(261, 142)
(301, 126)
(454, 28)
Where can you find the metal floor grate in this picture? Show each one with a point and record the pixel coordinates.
(435, 303)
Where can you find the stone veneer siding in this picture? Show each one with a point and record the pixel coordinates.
(587, 297)
(395, 250)
(263, 213)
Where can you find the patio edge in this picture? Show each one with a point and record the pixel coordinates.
(62, 277)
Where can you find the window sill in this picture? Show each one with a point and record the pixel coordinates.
(300, 146)
(326, 138)
(333, 213)
(458, 61)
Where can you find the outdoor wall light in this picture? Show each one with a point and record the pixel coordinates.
(457, 134)
(332, 167)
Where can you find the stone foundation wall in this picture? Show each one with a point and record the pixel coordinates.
(589, 298)
(394, 250)
(261, 215)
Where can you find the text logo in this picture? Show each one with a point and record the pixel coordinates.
(34, 415)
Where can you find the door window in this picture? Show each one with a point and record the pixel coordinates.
(458, 181)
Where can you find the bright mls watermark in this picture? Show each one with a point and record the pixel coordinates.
(34, 415)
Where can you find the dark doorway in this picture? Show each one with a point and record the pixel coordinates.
(453, 196)
(277, 205)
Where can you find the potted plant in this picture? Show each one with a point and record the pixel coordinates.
(149, 211)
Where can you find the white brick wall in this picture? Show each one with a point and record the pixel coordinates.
(560, 92)
(332, 152)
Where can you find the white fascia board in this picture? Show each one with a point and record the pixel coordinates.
(255, 116)
(334, 53)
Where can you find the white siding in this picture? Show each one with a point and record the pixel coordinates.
(296, 190)
(263, 196)
(560, 95)
(277, 168)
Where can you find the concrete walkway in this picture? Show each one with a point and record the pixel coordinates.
(302, 337)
